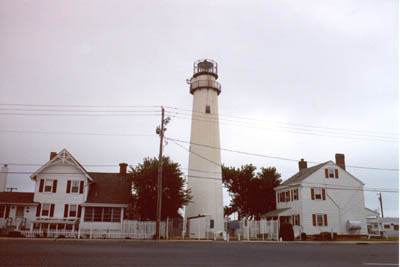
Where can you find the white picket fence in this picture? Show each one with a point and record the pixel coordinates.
(174, 228)
(262, 229)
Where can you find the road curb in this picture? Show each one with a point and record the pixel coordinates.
(199, 241)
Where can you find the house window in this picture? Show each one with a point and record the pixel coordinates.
(48, 185)
(282, 196)
(296, 219)
(116, 217)
(75, 187)
(320, 219)
(386, 226)
(331, 172)
(46, 210)
(208, 109)
(396, 227)
(72, 210)
(98, 214)
(287, 196)
(318, 193)
(107, 214)
(2, 209)
(296, 194)
(102, 214)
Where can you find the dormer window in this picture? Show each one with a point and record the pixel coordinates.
(75, 187)
(48, 185)
(331, 173)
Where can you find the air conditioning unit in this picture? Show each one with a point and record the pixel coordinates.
(353, 225)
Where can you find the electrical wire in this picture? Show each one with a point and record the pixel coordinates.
(272, 157)
(277, 122)
(292, 130)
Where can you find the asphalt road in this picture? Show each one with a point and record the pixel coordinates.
(136, 253)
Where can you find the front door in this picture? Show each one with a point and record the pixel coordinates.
(20, 212)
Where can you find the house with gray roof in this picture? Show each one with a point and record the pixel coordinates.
(68, 198)
(322, 198)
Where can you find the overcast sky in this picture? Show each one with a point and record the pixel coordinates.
(284, 66)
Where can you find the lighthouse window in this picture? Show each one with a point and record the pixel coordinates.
(211, 224)
(208, 109)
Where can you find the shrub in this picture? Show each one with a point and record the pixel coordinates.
(15, 234)
(286, 232)
(303, 236)
(325, 236)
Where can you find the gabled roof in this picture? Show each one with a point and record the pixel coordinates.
(16, 197)
(65, 157)
(303, 174)
(369, 212)
(273, 213)
(111, 188)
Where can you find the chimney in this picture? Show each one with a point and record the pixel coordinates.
(52, 155)
(122, 168)
(302, 164)
(3, 178)
(340, 161)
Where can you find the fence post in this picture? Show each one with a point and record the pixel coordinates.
(183, 229)
(166, 229)
(198, 229)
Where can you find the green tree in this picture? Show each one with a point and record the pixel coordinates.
(144, 182)
(252, 194)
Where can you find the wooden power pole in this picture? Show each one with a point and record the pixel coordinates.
(160, 131)
(380, 200)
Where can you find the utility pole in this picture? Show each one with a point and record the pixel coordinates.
(380, 200)
(160, 131)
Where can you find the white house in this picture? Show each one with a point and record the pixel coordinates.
(322, 198)
(68, 198)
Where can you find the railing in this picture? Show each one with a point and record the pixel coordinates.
(205, 84)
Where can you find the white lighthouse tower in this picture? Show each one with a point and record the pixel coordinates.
(205, 179)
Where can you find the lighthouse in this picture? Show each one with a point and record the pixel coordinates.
(204, 175)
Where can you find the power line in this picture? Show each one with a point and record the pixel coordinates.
(80, 106)
(72, 133)
(77, 110)
(78, 115)
(273, 157)
(290, 129)
(279, 122)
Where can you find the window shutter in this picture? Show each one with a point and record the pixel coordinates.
(291, 195)
(51, 210)
(314, 220)
(323, 194)
(68, 186)
(312, 194)
(54, 186)
(79, 211)
(81, 187)
(277, 195)
(66, 211)
(38, 210)
(7, 211)
(336, 173)
(326, 219)
(326, 173)
(41, 185)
